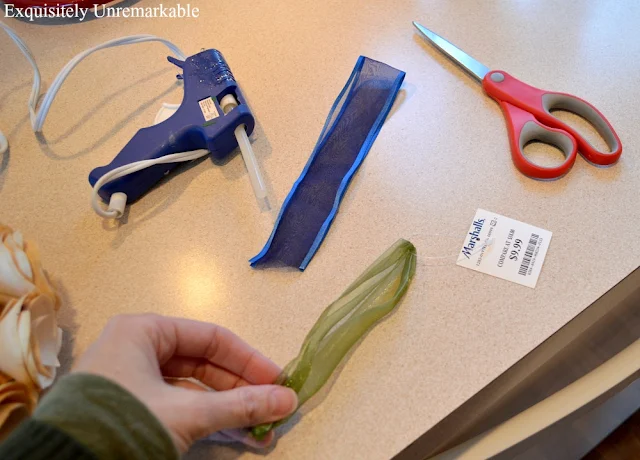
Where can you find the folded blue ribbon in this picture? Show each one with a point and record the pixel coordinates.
(351, 127)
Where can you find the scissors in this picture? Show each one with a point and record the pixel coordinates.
(528, 114)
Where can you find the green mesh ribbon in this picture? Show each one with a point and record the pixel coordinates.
(368, 299)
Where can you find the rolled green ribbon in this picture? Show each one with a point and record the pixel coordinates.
(368, 299)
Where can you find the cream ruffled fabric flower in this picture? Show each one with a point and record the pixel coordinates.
(30, 339)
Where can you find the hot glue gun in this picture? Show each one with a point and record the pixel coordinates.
(213, 116)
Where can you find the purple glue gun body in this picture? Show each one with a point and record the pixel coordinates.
(199, 123)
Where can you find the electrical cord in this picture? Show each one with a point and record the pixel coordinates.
(38, 115)
(35, 89)
(118, 200)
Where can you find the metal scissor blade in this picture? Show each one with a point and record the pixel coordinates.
(473, 67)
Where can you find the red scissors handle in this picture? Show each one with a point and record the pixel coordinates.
(523, 128)
(528, 113)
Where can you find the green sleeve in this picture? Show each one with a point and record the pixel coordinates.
(36, 440)
(97, 418)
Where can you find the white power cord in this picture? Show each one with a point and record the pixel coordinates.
(118, 200)
(38, 116)
(35, 89)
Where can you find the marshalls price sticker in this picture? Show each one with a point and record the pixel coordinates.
(505, 248)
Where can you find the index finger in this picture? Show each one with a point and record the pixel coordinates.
(220, 346)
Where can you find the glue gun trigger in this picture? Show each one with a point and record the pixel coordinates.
(176, 62)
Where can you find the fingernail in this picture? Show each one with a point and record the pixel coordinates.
(283, 401)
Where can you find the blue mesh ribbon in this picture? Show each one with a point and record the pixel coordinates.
(351, 127)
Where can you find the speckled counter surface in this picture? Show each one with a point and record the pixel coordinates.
(441, 154)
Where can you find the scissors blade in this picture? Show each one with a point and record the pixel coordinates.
(473, 67)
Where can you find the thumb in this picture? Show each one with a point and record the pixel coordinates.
(240, 407)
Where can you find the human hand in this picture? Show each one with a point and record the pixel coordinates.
(139, 351)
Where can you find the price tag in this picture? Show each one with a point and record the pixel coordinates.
(505, 248)
(208, 108)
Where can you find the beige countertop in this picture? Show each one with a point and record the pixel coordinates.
(441, 154)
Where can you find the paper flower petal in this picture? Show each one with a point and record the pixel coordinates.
(12, 281)
(40, 375)
(40, 278)
(11, 415)
(47, 340)
(44, 328)
(15, 244)
(26, 347)
(4, 231)
(16, 403)
(41, 356)
(5, 300)
(17, 237)
(11, 360)
(30, 339)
